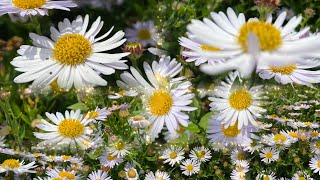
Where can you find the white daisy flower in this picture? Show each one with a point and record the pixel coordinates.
(63, 174)
(276, 140)
(293, 135)
(237, 104)
(239, 173)
(230, 136)
(315, 164)
(291, 73)
(72, 57)
(164, 105)
(269, 176)
(2, 142)
(142, 32)
(159, 175)
(109, 160)
(97, 114)
(131, 172)
(301, 175)
(173, 155)
(238, 156)
(190, 167)
(269, 154)
(252, 145)
(200, 154)
(138, 122)
(244, 44)
(98, 175)
(315, 147)
(314, 134)
(70, 129)
(33, 7)
(17, 167)
(119, 149)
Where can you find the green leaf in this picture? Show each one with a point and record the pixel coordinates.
(204, 121)
(79, 105)
(92, 156)
(193, 128)
(154, 158)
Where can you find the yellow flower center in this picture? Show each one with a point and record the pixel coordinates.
(241, 156)
(160, 102)
(159, 178)
(287, 69)
(56, 179)
(122, 92)
(318, 163)
(67, 175)
(71, 128)
(11, 163)
(144, 34)
(240, 99)
(231, 131)
(318, 145)
(66, 157)
(314, 133)
(266, 178)
(279, 138)
(173, 155)
(137, 118)
(293, 134)
(308, 123)
(110, 157)
(189, 167)
(200, 154)
(301, 178)
(98, 179)
(181, 130)
(28, 4)
(209, 48)
(132, 173)
(269, 155)
(268, 35)
(119, 145)
(92, 115)
(72, 49)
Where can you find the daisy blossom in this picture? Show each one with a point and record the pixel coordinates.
(74, 56)
(245, 44)
(237, 104)
(173, 155)
(97, 114)
(238, 156)
(315, 147)
(157, 176)
(98, 175)
(33, 7)
(190, 167)
(277, 140)
(70, 129)
(269, 176)
(200, 154)
(17, 167)
(131, 172)
(269, 154)
(119, 149)
(63, 174)
(315, 164)
(142, 32)
(138, 122)
(109, 160)
(301, 175)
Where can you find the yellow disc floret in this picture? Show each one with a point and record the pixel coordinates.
(71, 128)
(269, 155)
(268, 35)
(10, 163)
(240, 99)
(231, 131)
(132, 173)
(160, 102)
(287, 69)
(119, 145)
(144, 34)
(66, 175)
(72, 49)
(28, 4)
(189, 167)
(173, 155)
(280, 138)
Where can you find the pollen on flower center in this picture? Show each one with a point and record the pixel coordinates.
(301, 178)
(240, 99)
(132, 173)
(110, 157)
(318, 164)
(66, 175)
(287, 69)
(144, 34)
(200, 154)
(241, 156)
(293, 134)
(160, 102)
(10, 163)
(269, 155)
(28, 4)
(119, 146)
(173, 155)
(71, 128)
(231, 131)
(91, 115)
(189, 167)
(266, 178)
(268, 35)
(209, 48)
(279, 137)
(72, 49)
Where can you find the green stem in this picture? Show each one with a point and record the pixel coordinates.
(36, 23)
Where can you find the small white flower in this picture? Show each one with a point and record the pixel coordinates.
(238, 156)
(63, 174)
(315, 147)
(269, 176)
(159, 175)
(119, 149)
(142, 32)
(173, 155)
(269, 154)
(190, 167)
(315, 164)
(98, 175)
(17, 167)
(97, 114)
(276, 140)
(109, 160)
(131, 172)
(138, 122)
(200, 154)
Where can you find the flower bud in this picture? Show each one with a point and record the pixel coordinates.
(136, 50)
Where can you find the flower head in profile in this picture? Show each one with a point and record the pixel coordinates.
(17, 167)
(33, 7)
(67, 130)
(62, 174)
(74, 56)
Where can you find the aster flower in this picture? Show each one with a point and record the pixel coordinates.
(245, 44)
(158, 175)
(109, 160)
(163, 102)
(119, 149)
(63, 174)
(200, 154)
(190, 167)
(131, 172)
(74, 56)
(122, 93)
(270, 176)
(70, 129)
(239, 173)
(237, 104)
(33, 7)
(276, 140)
(98, 175)
(138, 122)
(142, 32)
(292, 135)
(269, 154)
(238, 156)
(315, 147)
(97, 114)
(291, 73)
(301, 175)
(173, 155)
(315, 164)
(17, 167)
